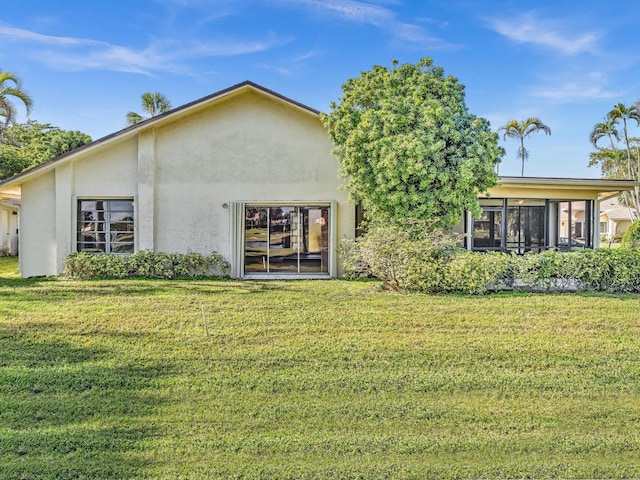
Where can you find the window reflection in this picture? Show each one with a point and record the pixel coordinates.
(105, 226)
(286, 239)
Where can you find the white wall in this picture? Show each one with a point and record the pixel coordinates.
(246, 147)
(38, 227)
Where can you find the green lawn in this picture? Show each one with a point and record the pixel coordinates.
(313, 379)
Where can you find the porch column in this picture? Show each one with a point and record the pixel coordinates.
(596, 223)
(145, 200)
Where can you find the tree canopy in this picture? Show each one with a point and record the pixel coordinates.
(153, 103)
(10, 91)
(28, 144)
(520, 131)
(619, 161)
(408, 148)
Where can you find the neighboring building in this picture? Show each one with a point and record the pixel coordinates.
(526, 214)
(249, 174)
(615, 218)
(9, 211)
(245, 172)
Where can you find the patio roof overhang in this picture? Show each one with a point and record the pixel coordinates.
(559, 188)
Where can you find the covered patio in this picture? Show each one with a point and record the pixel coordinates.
(526, 214)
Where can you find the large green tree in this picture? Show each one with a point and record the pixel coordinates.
(10, 91)
(520, 131)
(153, 103)
(408, 147)
(619, 161)
(28, 144)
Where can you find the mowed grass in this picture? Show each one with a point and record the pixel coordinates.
(313, 379)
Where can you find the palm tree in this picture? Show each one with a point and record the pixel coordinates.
(11, 88)
(605, 129)
(153, 104)
(521, 130)
(621, 112)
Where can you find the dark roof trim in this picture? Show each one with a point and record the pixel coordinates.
(157, 119)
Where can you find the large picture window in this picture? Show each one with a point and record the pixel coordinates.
(105, 226)
(286, 239)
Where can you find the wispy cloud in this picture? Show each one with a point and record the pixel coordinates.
(69, 53)
(572, 91)
(379, 16)
(551, 34)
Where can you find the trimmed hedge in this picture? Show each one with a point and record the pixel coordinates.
(631, 237)
(145, 263)
(405, 265)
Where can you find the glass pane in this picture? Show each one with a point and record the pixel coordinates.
(525, 229)
(256, 235)
(121, 205)
(283, 239)
(572, 218)
(487, 230)
(122, 248)
(91, 247)
(314, 248)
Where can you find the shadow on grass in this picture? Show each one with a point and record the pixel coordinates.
(67, 412)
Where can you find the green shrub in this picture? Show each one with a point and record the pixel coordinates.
(546, 270)
(631, 238)
(404, 259)
(145, 263)
(476, 272)
(85, 265)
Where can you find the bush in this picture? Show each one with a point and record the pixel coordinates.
(85, 265)
(476, 272)
(428, 262)
(404, 259)
(631, 238)
(547, 270)
(145, 263)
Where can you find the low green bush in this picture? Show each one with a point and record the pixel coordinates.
(428, 262)
(404, 259)
(631, 238)
(476, 273)
(145, 263)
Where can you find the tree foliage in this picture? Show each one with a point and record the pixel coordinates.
(10, 91)
(520, 131)
(153, 103)
(408, 147)
(615, 161)
(28, 144)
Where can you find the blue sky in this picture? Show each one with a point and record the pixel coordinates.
(86, 62)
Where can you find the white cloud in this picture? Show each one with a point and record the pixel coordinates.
(572, 91)
(381, 17)
(68, 53)
(546, 33)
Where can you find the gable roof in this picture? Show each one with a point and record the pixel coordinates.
(10, 186)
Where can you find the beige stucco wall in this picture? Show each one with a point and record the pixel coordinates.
(248, 148)
(184, 174)
(37, 227)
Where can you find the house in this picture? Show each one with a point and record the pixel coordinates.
(615, 218)
(249, 173)
(244, 172)
(9, 210)
(524, 214)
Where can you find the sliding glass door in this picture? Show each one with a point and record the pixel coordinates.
(286, 239)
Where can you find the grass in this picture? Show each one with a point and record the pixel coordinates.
(313, 379)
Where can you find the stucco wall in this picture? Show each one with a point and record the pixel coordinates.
(182, 173)
(38, 227)
(248, 148)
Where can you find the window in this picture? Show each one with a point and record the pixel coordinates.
(105, 226)
(604, 227)
(286, 239)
